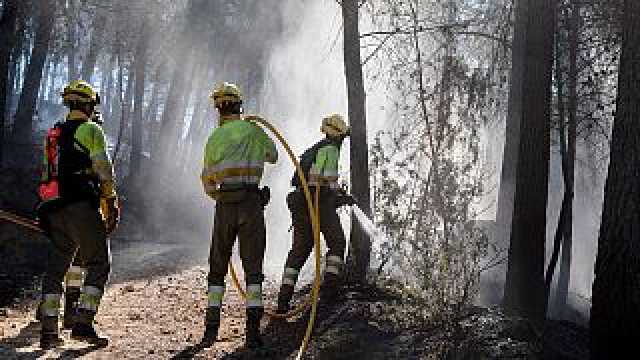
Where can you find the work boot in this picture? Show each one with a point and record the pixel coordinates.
(253, 338)
(71, 297)
(212, 324)
(284, 298)
(83, 330)
(49, 335)
(329, 288)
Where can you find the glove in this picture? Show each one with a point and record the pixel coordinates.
(265, 196)
(345, 199)
(110, 213)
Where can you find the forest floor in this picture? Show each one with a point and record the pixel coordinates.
(156, 312)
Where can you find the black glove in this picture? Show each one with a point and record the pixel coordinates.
(345, 199)
(265, 196)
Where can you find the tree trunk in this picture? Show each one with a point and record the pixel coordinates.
(97, 33)
(52, 95)
(172, 120)
(615, 309)
(504, 213)
(107, 97)
(23, 126)
(360, 244)
(136, 135)
(562, 217)
(564, 276)
(71, 40)
(7, 39)
(525, 288)
(125, 107)
(43, 84)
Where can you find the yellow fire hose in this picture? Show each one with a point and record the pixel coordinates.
(315, 224)
(22, 221)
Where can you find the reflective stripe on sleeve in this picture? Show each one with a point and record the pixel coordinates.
(215, 295)
(254, 295)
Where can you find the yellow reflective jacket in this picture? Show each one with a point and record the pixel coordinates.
(235, 155)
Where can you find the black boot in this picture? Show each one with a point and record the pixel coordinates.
(330, 287)
(253, 338)
(83, 329)
(284, 298)
(49, 336)
(212, 324)
(71, 297)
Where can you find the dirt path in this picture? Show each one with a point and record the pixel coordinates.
(151, 319)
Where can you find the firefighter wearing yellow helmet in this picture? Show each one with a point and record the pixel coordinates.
(234, 159)
(79, 209)
(320, 166)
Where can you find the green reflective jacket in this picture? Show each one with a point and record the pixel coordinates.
(324, 170)
(235, 154)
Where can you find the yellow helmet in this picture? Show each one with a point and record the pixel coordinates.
(334, 125)
(81, 91)
(226, 92)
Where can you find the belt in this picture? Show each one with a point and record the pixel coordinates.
(239, 187)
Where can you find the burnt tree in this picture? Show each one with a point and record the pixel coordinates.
(136, 136)
(23, 126)
(360, 244)
(615, 309)
(7, 38)
(524, 293)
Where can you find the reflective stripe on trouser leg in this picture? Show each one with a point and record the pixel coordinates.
(254, 295)
(290, 276)
(333, 265)
(90, 298)
(74, 277)
(215, 295)
(50, 305)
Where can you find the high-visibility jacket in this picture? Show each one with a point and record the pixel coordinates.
(89, 160)
(235, 155)
(320, 164)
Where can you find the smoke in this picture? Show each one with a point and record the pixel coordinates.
(587, 208)
(304, 82)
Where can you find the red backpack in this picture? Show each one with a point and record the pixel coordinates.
(50, 190)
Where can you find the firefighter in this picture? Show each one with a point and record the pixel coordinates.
(320, 166)
(234, 159)
(78, 209)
